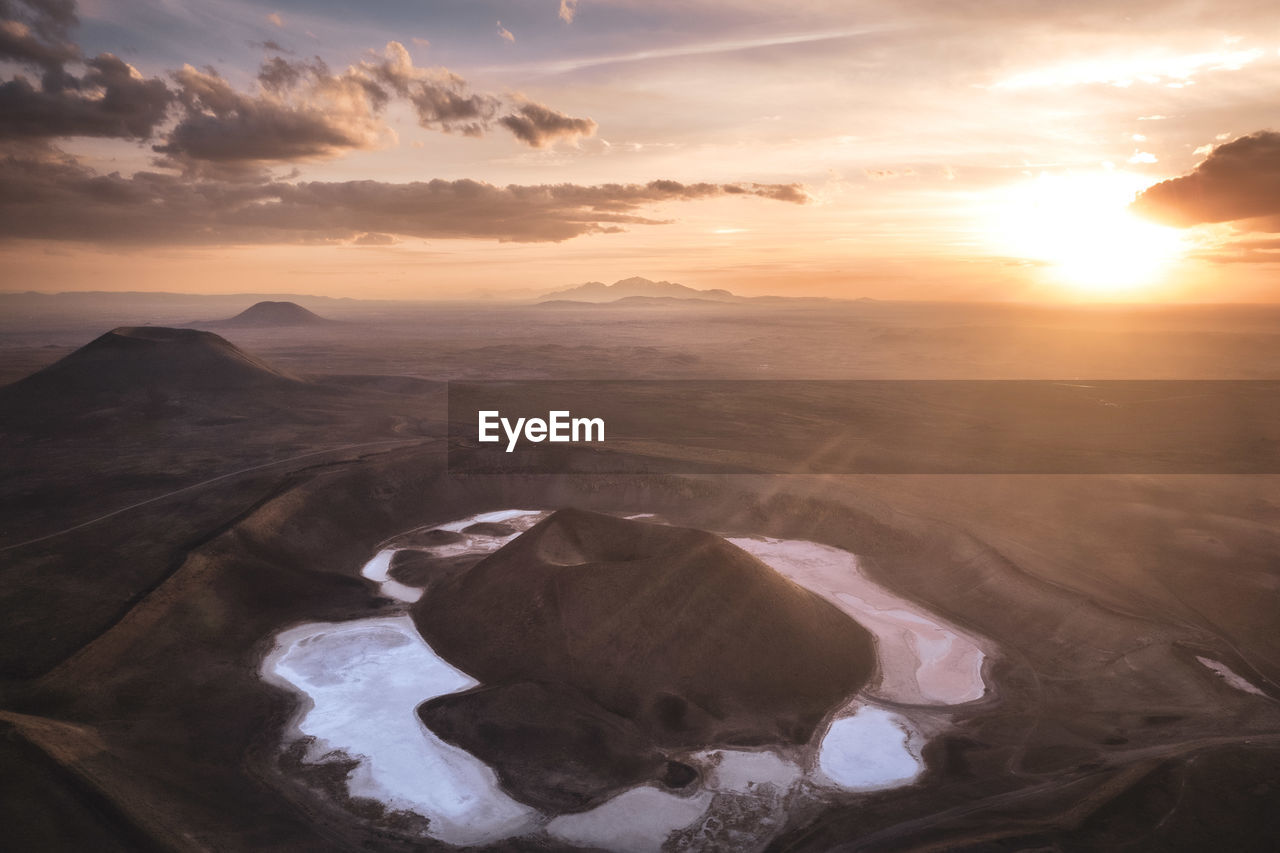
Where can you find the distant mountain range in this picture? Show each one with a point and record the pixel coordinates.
(598, 291)
(676, 303)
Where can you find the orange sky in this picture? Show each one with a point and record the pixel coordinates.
(921, 150)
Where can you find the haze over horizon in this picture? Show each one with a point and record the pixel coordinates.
(917, 150)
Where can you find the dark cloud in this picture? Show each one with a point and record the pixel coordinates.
(34, 33)
(110, 99)
(19, 44)
(46, 195)
(538, 125)
(1238, 180)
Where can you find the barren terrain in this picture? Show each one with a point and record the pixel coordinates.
(151, 548)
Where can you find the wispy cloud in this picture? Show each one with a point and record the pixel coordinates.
(1128, 70)
(561, 66)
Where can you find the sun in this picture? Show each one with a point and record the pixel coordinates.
(1079, 226)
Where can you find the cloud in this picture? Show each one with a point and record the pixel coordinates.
(47, 195)
(372, 239)
(1238, 180)
(647, 54)
(568, 8)
(441, 98)
(110, 100)
(25, 44)
(504, 33)
(793, 193)
(538, 125)
(302, 112)
(275, 19)
(445, 102)
(1127, 69)
(34, 34)
(1245, 251)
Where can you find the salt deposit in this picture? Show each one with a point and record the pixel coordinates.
(870, 750)
(363, 680)
(376, 570)
(635, 821)
(1230, 676)
(379, 566)
(923, 660)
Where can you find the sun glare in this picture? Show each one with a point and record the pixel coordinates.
(1080, 227)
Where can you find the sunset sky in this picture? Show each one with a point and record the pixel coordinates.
(920, 149)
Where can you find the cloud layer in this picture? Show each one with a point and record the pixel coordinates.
(301, 109)
(109, 100)
(47, 196)
(215, 144)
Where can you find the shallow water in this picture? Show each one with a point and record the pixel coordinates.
(364, 679)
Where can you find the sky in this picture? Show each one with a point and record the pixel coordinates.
(439, 149)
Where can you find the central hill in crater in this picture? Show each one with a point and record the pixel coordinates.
(622, 642)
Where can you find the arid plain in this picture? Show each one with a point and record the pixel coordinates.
(167, 516)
